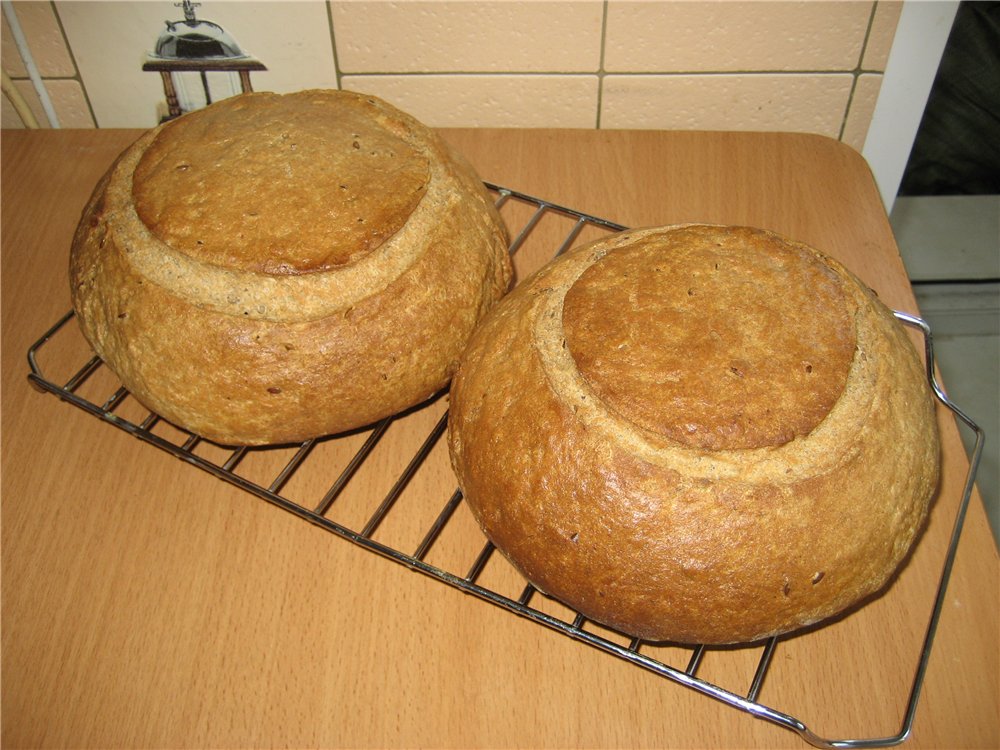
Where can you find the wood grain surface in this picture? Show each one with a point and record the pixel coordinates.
(148, 604)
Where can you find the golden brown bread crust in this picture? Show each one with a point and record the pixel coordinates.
(322, 186)
(274, 268)
(696, 434)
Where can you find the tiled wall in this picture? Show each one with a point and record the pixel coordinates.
(761, 65)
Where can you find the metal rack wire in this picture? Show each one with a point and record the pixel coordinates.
(468, 578)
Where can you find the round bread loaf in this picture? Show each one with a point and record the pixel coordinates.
(697, 434)
(273, 268)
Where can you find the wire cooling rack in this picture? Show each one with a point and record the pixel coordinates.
(561, 228)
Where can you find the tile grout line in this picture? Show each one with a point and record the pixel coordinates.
(601, 73)
(600, 69)
(337, 74)
(856, 73)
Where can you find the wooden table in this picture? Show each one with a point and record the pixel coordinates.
(149, 604)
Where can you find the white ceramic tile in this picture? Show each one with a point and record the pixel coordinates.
(498, 36)
(862, 107)
(537, 101)
(121, 93)
(880, 37)
(734, 36)
(777, 102)
(292, 39)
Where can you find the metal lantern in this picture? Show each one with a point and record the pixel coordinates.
(194, 45)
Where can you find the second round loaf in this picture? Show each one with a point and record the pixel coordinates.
(696, 433)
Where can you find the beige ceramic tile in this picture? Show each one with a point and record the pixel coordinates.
(780, 102)
(11, 58)
(30, 96)
(537, 101)
(438, 36)
(883, 31)
(70, 104)
(9, 118)
(67, 100)
(45, 41)
(292, 39)
(859, 115)
(734, 36)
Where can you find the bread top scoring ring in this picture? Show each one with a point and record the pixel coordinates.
(635, 329)
(624, 428)
(736, 375)
(327, 187)
(308, 239)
